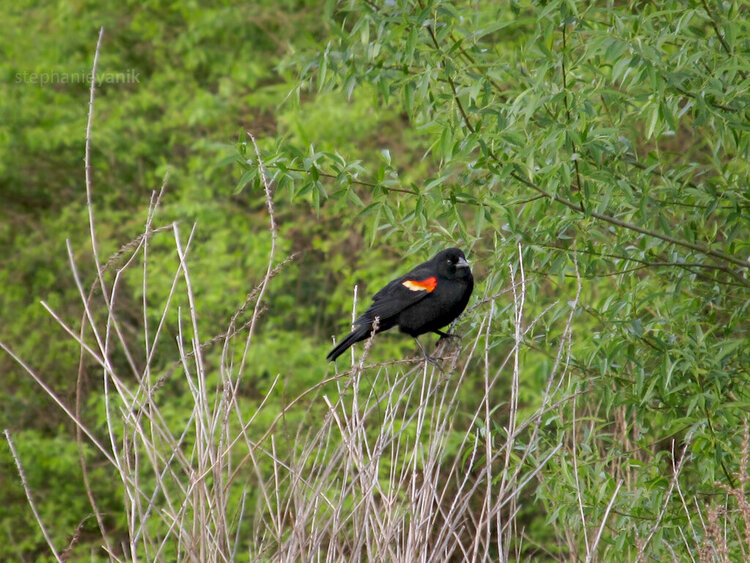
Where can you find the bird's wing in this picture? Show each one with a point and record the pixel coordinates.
(413, 281)
(399, 294)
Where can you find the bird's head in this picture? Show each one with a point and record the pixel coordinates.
(451, 264)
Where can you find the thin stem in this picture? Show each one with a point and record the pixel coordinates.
(723, 41)
(29, 498)
(567, 108)
(360, 182)
(633, 227)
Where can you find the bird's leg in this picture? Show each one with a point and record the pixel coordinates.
(427, 357)
(444, 335)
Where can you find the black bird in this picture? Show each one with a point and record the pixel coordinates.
(424, 300)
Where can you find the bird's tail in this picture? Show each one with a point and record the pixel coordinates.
(357, 335)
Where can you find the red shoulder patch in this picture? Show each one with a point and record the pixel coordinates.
(427, 285)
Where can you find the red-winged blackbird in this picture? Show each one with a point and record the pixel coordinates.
(424, 300)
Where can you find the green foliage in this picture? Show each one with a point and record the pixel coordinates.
(196, 73)
(610, 143)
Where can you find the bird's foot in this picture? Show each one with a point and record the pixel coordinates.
(447, 335)
(427, 357)
(434, 361)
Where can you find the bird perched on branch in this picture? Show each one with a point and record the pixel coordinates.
(425, 300)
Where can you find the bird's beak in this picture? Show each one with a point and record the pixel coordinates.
(462, 263)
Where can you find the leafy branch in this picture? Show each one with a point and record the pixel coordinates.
(578, 208)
